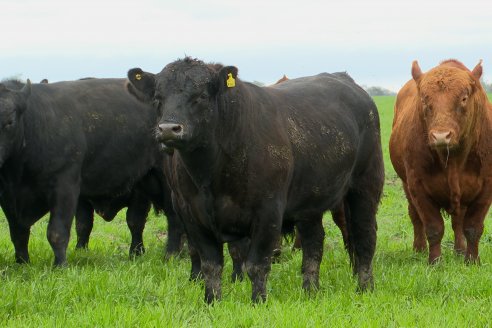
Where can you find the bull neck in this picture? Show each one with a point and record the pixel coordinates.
(200, 164)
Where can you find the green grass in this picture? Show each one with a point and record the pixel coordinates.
(102, 287)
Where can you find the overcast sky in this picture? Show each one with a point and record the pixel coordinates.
(374, 41)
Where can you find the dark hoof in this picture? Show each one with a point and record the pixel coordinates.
(196, 276)
(365, 281)
(82, 246)
(137, 251)
(237, 276)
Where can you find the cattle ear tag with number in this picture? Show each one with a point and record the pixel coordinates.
(231, 83)
(138, 77)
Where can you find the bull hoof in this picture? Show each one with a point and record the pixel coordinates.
(82, 246)
(22, 259)
(237, 276)
(419, 248)
(365, 281)
(257, 298)
(310, 286)
(137, 251)
(196, 276)
(433, 260)
(472, 260)
(60, 263)
(460, 251)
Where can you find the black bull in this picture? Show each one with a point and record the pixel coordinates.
(71, 147)
(249, 160)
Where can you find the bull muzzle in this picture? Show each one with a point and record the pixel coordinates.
(441, 138)
(170, 131)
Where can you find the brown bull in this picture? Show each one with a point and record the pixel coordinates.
(441, 148)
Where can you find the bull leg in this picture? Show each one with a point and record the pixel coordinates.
(136, 216)
(238, 251)
(19, 235)
(362, 232)
(196, 263)
(61, 216)
(432, 220)
(297, 241)
(338, 216)
(84, 221)
(175, 234)
(265, 235)
(312, 236)
(419, 239)
(212, 262)
(473, 223)
(459, 236)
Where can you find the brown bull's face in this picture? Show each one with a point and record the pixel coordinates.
(447, 105)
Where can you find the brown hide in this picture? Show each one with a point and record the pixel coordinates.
(441, 148)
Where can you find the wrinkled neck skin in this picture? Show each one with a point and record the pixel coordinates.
(200, 163)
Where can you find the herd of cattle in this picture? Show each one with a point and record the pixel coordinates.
(230, 162)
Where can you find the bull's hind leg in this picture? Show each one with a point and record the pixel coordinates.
(84, 221)
(459, 236)
(238, 250)
(338, 215)
(312, 235)
(361, 220)
(175, 234)
(136, 216)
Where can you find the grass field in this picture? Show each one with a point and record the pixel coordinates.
(102, 287)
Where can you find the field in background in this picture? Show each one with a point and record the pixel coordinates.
(102, 287)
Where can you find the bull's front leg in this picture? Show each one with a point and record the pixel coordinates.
(84, 221)
(266, 231)
(474, 222)
(432, 220)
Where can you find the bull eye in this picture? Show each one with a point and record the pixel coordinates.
(464, 99)
(204, 95)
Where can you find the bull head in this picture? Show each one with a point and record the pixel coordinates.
(446, 99)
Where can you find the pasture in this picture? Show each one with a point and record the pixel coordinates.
(102, 287)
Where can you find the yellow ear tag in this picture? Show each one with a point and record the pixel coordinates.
(231, 83)
(138, 77)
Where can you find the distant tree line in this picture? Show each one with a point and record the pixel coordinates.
(378, 91)
(487, 86)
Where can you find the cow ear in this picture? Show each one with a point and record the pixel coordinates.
(227, 78)
(141, 84)
(477, 70)
(416, 71)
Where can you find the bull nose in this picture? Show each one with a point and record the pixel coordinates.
(441, 137)
(170, 130)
